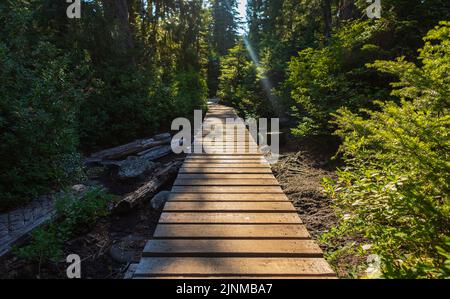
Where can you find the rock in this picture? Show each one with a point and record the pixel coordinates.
(120, 254)
(79, 188)
(134, 167)
(159, 200)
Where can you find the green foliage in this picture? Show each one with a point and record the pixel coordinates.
(190, 91)
(326, 79)
(241, 84)
(394, 190)
(73, 215)
(314, 52)
(39, 96)
(119, 73)
(45, 246)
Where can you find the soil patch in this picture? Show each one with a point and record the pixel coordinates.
(300, 170)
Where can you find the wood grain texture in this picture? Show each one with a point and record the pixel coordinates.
(232, 248)
(232, 217)
(233, 266)
(205, 206)
(227, 197)
(231, 231)
(226, 182)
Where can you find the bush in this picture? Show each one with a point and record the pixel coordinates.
(190, 93)
(73, 215)
(39, 96)
(325, 79)
(121, 107)
(395, 189)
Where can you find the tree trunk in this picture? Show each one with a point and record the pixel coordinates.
(149, 189)
(117, 12)
(347, 10)
(326, 7)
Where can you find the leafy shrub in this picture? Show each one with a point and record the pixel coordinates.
(324, 79)
(73, 214)
(39, 96)
(119, 108)
(190, 92)
(395, 189)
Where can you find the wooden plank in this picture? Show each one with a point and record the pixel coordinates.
(227, 189)
(231, 231)
(229, 150)
(224, 218)
(227, 182)
(217, 165)
(257, 157)
(225, 170)
(226, 143)
(220, 151)
(229, 146)
(226, 155)
(227, 161)
(225, 138)
(197, 277)
(227, 197)
(206, 176)
(205, 206)
(233, 266)
(232, 248)
(226, 158)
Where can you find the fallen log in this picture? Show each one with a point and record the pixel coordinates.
(131, 148)
(156, 152)
(149, 189)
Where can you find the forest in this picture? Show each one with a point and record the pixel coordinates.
(374, 91)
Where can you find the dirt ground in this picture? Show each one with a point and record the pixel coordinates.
(300, 170)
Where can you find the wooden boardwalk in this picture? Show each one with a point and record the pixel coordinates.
(227, 217)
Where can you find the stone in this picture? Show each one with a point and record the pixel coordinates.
(121, 254)
(79, 188)
(158, 201)
(134, 167)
